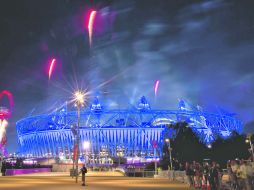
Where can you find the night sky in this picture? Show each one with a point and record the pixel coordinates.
(201, 51)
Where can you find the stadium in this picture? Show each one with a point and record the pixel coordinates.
(137, 133)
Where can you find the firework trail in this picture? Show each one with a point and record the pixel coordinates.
(90, 26)
(156, 87)
(51, 67)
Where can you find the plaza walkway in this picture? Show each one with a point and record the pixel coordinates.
(51, 181)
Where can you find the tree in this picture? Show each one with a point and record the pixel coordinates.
(186, 144)
(229, 149)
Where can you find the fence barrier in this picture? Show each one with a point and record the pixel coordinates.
(10, 172)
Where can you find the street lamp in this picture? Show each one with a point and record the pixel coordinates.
(248, 140)
(169, 151)
(79, 99)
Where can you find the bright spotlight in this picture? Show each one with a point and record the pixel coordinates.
(79, 97)
(86, 145)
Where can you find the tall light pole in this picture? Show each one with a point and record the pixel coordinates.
(79, 98)
(169, 151)
(248, 140)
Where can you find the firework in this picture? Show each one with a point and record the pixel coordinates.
(51, 67)
(4, 111)
(156, 87)
(90, 26)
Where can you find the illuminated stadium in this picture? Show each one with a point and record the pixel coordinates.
(130, 133)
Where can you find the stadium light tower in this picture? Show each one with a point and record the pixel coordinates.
(79, 98)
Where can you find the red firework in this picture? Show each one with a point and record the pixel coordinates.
(91, 25)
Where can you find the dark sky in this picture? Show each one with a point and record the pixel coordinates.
(201, 51)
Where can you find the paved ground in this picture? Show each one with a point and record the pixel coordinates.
(92, 174)
(54, 182)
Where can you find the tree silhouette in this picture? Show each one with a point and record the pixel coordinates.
(229, 149)
(186, 145)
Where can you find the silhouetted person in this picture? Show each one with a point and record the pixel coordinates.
(213, 177)
(83, 171)
(3, 169)
(206, 170)
(189, 172)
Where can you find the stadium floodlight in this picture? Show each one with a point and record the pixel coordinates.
(86, 145)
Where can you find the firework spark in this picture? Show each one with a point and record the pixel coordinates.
(156, 87)
(90, 26)
(51, 67)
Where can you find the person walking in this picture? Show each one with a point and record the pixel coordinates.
(244, 172)
(235, 180)
(232, 177)
(205, 172)
(3, 168)
(83, 171)
(249, 173)
(198, 175)
(189, 172)
(251, 167)
(220, 174)
(213, 177)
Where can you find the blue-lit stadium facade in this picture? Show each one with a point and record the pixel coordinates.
(113, 132)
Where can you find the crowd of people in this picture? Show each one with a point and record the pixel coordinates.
(209, 176)
(241, 174)
(204, 176)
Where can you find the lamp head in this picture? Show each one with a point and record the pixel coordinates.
(79, 97)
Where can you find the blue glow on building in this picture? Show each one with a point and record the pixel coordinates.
(114, 132)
